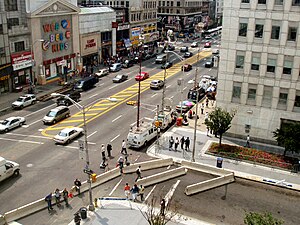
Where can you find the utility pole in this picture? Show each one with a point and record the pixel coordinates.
(139, 93)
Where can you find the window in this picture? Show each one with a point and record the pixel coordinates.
(283, 96)
(2, 52)
(271, 65)
(12, 22)
(236, 91)
(292, 34)
(1, 29)
(275, 32)
(261, 1)
(297, 99)
(287, 66)
(259, 29)
(11, 5)
(267, 97)
(19, 46)
(127, 4)
(245, 1)
(178, 4)
(278, 2)
(122, 3)
(255, 63)
(240, 60)
(296, 3)
(243, 29)
(251, 93)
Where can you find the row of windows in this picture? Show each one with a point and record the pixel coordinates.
(112, 3)
(11, 5)
(276, 2)
(271, 62)
(146, 16)
(149, 5)
(266, 97)
(168, 3)
(168, 11)
(275, 31)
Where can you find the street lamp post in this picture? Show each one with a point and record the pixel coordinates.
(87, 161)
(32, 59)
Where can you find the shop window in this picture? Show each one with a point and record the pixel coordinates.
(236, 92)
(271, 65)
(287, 66)
(275, 32)
(255, 63)
(243, 29)
(11, 5)
(296, 3)
(292, 34)
(12, 22)
(19, 46)
(267, 97)
(259, 30)
(240, 60)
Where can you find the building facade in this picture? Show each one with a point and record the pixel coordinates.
(259, 66)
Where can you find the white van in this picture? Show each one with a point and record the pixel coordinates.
(162, 58)
(8, 168)
(115, 67)
(138, 137)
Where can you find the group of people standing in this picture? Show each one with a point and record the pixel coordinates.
(184, 143)
(134, 192)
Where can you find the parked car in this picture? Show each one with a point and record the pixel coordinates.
(102, 72)
(74, 95)
(66, 135)
(215, 51)
(56, 114)
(207, 45)
(185, 108)
(11, 123)
(167, 65)
(186, 67)
(8, 168)
(128, 63)
(184, 49)
(142, 76)
(187, 54)
(157, 84)
(209, 64)
(194, 44)
(86, 83)
(120, 78)
(115, 67)
(23, 101)
(161, 58)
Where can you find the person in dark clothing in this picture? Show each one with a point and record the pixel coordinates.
(171, 142)
(109, 149)
(65, 194)
(77, 184)
(187, 144)
(48, 199)
(138, 173)
(77, 219)
(182, 142)
(162, 207)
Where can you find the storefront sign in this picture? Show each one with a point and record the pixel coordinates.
(135, 31)
(21, 61)
(61, 63)
(123, 27)
(89, 44)
(58, 33)
(6, 77)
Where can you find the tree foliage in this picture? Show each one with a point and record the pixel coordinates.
(254, 218)
(219, 121)
(288, 137)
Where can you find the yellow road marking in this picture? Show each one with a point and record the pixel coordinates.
(87, 114)
(72, 121)
(97, 109)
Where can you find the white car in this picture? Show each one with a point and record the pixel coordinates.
(11, 122)
(102, 72)
(67, 134)
(194, 44)
(24, 101)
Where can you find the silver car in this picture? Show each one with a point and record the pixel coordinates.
(157, 84)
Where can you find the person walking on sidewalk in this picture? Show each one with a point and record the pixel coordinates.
(134, 191)
(65, 196)
(48, 199)
(248, 141)
(109, 149)
(176, 143)
(138, 173)
(127, 190)
(162, 207)
(57, 197)
(77, 184)
(124, 151)
(182, 142)
(121, 163)
(187, 144)
(77, 218)
(171, 142)
(202, 108)
(141, 193)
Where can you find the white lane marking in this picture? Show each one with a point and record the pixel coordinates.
(33, 123)
(92, 134)
(116, 118)
(93, 95)
(184, 88)
(90, 143)
(22, 141)
(153, 110)
(154, 95)
(100, 84)
(168, 167)
(137, 158)
(40, 110)
(115, 138)
(135, 107)
(111, 87)
(168, 86)
(115, 187)
(172, 97)
(171, 192)
(150, 193)
(73, 147)
(209, 69)
(23, 135)
(5, 108)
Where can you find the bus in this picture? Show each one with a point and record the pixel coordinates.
(213, 32)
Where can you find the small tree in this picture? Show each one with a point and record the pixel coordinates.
(254, 218)
(154, 216)
(288, 137)
(219, 122)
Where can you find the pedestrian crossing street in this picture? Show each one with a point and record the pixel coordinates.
(103, 106)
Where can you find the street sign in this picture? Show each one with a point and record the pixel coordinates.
(82, 152)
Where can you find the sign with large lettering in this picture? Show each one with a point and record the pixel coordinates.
(21, 61)
(89, 44)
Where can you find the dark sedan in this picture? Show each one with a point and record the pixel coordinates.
(167, 65)
(120, 78)
(186, 67)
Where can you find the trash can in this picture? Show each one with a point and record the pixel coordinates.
(219, 162)
(179, 121)
(83, 212)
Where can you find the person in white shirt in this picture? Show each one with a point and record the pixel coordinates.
(124, 151)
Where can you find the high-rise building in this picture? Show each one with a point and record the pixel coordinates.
(259, 65)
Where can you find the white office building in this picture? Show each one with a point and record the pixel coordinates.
(259, 66)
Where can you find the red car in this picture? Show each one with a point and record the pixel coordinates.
(207, 45)
(186, 67)
(142, 76)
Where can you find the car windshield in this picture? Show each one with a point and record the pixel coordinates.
(119, 76)
(63, 134)
(4, 122)
(51, 114)
(79, 83)
(20, 99)
(154, 82)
